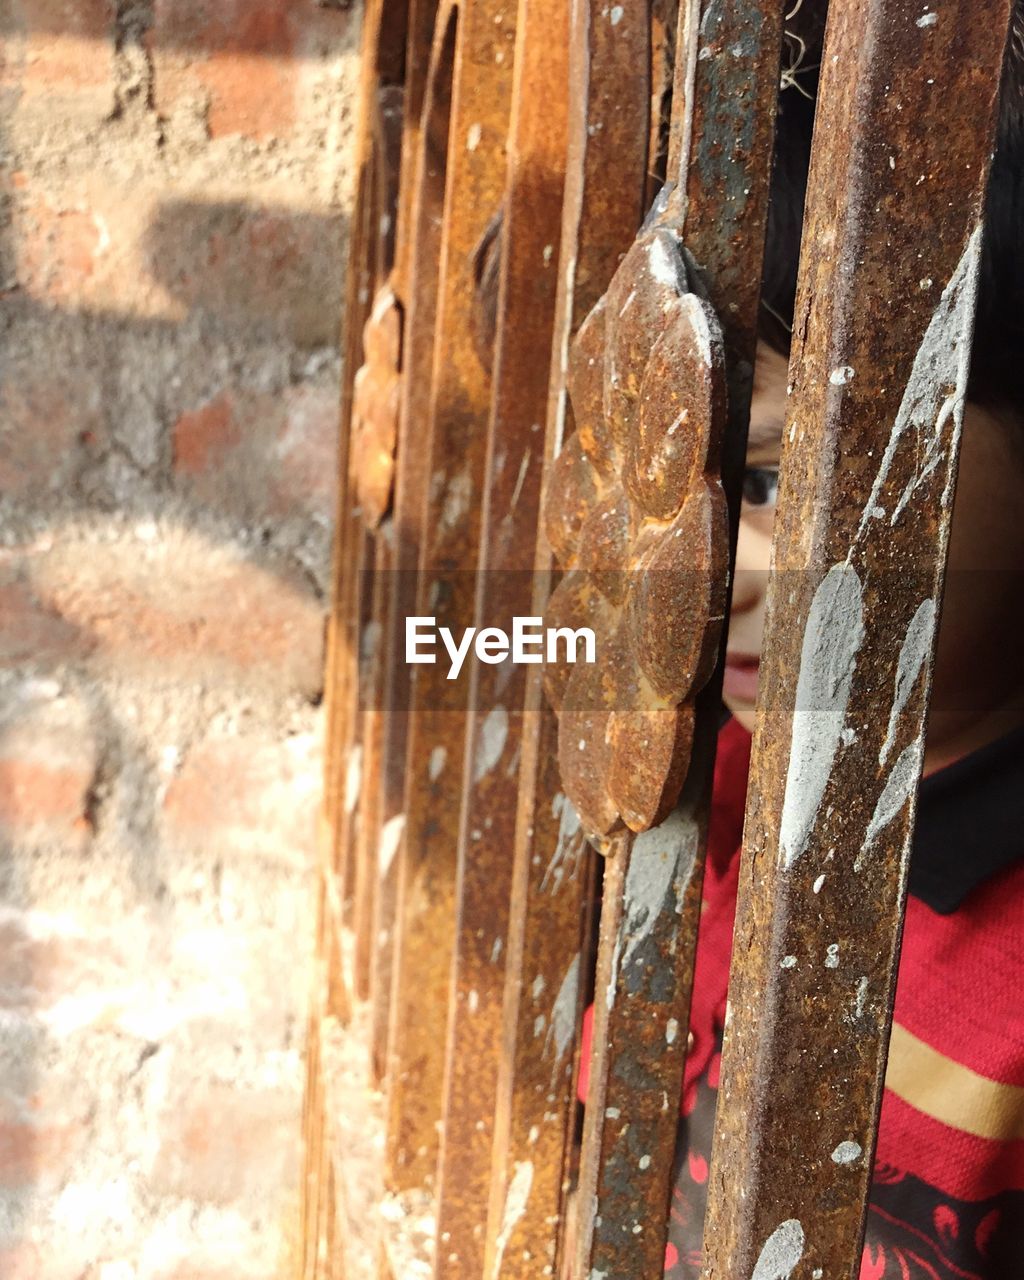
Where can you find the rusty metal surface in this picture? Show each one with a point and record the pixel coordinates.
(366, 396)
(522, 274)
(455, 434)
(637, 516)
(723, 112)
(551, 867)
(375, 403)
(881, 340)
(365, 886)
(378, 111)
(418, 250)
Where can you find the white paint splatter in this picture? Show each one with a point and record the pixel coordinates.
(537, 989)
(563, 1012)
(841, 375)
(473, 1000)
(457, 498)
(942, 360)
(787, 962)
(353, 778)
(390, 839)
(671, 1031)
(491, 742)
(473, 136)
(496, 950)
(832, 639)
(847, 1152)
(616, 14)
(371, 640)
(700, 327)
(781, 1253)
(437, 761)
(913, 652)
(568, 844)
(862, 997)
(899, 786)
(515, 1206)
(818, 884)
(927, 20)
(658, 858)
(832, 956)
(665, 264)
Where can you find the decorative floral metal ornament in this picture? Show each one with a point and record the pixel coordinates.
(376, 397)
(636, 514)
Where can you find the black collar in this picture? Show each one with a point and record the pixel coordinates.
(970, 823)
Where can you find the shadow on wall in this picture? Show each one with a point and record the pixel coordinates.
(171, 260)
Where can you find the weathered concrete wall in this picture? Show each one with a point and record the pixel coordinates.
(174, 186)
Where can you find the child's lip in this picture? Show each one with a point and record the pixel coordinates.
(741, 676)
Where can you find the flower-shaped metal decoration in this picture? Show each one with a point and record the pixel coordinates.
(636, 515)
(376, 395)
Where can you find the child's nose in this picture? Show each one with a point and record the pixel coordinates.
(751, 578)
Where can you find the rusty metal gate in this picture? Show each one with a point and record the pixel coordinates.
(553, 303)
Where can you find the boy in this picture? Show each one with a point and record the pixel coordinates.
(948, 1192)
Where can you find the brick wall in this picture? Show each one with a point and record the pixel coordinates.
(174, 186)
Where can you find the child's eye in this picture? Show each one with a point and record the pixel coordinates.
(760, 485)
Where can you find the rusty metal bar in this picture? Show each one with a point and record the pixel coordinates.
(456, 432)
(426, 215)
(529, 221)
(414, 280)
(365, 888)
(882, 338)
(658, 719)
(382, 69)
(551, 884)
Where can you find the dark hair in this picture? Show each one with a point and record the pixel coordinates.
(998, 352)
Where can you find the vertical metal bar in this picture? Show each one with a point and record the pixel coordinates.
(426, 213)
(456, 426)
(720, 154)
(881, 346)
(378, 65)
(365, 887)
(552, 871)
(382, 63)
(530, 220)
(417, 257)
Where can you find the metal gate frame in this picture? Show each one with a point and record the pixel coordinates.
(521, 341)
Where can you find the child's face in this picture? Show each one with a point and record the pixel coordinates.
(978, 690)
